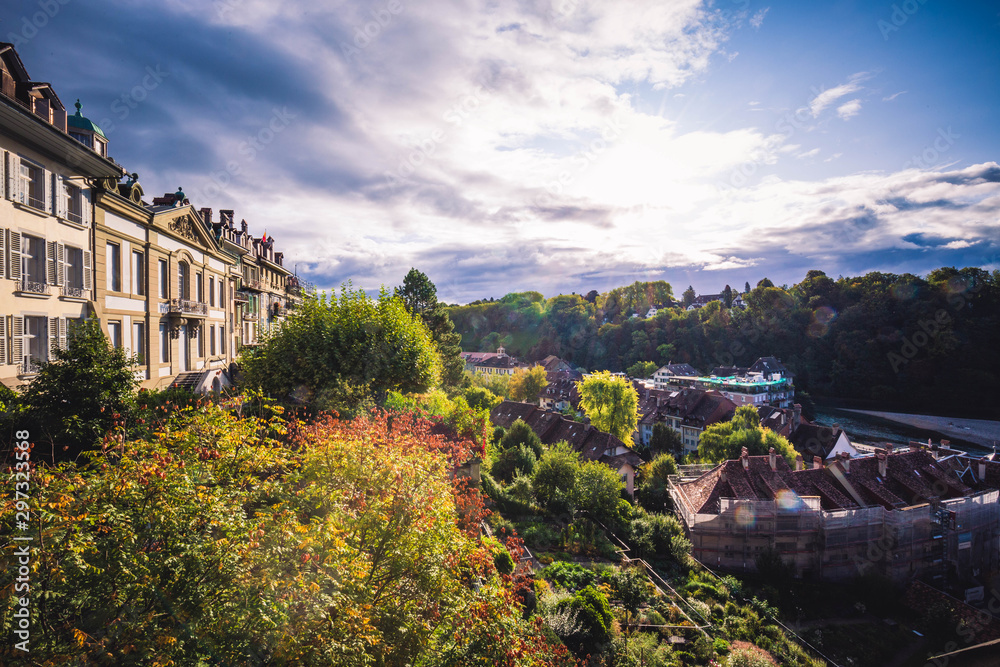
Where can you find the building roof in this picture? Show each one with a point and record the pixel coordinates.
(814, 440)
(912, 478)
(685, 370)
(694, 407)
(497, 361)
(768, 365)
(729, 371)
(562, 387)
(80, 122)
(551, 427)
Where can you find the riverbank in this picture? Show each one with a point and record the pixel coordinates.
(982, 432)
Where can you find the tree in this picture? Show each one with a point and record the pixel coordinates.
(520, 433)
(420, 297)
(592, 296)
(765, 282)
(746, 288)
(653, 484)
(79, 395)
(688, 296)
(727, 296)
(555, 474)
(480, 398)
(664, 439)
(597, 491)
(725, 441)
(417, 292)
(336, 352)
(642, 369)
(611, 403)
(527, 383)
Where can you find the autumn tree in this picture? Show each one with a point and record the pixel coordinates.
(527, 383)
(611, 403)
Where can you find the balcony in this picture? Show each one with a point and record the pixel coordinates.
(241, 297)
(74, 292)
(255, 285)
(32, 287)
(30, 366)
(250, 317)
(187, 308)
(293, 290)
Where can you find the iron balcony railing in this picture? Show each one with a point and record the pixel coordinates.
(187, 307)
(33, 287)
(78, 292)
(241, 297)
(249, 283)
(29, 366)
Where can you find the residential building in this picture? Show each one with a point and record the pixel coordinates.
(932, 518)
(489, 363)
(687, 411)
(703, 300)
(561, 392)
(766, 382)
(47, 179)
(591, 443)
(662, 374)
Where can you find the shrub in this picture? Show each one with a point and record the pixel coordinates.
(570, 576)
(743, 654)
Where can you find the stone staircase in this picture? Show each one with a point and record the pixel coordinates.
(188, 380)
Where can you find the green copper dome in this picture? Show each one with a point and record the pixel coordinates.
(78, 121)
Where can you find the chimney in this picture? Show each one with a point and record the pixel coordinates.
(799, 464)
(745, 458)
(883, 463)
(796, 415)
(206, 215)
(772, 458)
(914, 446)
(945, 443)
(982, 469)
(845, 460)
(817, 463)
(888, 448)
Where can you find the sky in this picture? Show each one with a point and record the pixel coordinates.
(552, 145)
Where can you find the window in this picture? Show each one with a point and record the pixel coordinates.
(33, 184)
(198, 296)
(36, 340)
(74, 267)
(211, 291)
(211, 340)
(74, 204)
(115, 334)
(183, 286)
(33, 259)
(164, 344)
(222, 294)
(164, 279)
(139, 341)
(114, 260)
(201, 341)
(138, 273)
(222, 339)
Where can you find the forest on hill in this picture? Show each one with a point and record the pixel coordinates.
(901, 340)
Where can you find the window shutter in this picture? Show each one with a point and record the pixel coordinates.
(62, 203)
(85, 206)
(3, 340)
(3, 254)
(88, 279)
(55, 179)
(13, 177)
(46, 187)
(62, 333)
(17, 340)
(60, 264)
(14, 242)
(52, 272)
(53, 335)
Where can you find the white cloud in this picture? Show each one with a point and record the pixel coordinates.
(893, 96)
(849, 109)
(758, 19)
(831, 95)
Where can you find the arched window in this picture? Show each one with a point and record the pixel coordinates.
(183, 281)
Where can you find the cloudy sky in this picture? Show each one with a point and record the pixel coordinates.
(555, 145)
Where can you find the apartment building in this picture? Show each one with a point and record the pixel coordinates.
(46, 219)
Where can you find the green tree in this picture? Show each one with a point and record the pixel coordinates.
(727, 296)
(336, 352)
(480, 398)
(725, 440)
(79, 395)
(417, 292)
(611, 403)
(765, 282)
(520, 433)
(527, 383)
(555, 474)
(597, 491)
(642, 369)
(653, 487)
(420, 297)
(688, 296)
(746, 288)
(664, 439)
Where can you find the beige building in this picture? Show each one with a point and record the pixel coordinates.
(46, 219)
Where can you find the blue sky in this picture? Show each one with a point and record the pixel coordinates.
(555, 145)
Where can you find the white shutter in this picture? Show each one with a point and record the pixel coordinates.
(62, 333)
(3, 340)
(51, 272)
(85, 205)
(46, 187)
(62, 202)
(52, 336)
(88, 279)
(14, 272)
(3, 253)
(56, 180)
(17, 340)
(13, 177)
(60, 264)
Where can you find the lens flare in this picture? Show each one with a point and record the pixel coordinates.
(787, 499)
(744, 516)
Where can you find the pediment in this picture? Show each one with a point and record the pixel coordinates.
(185, 225)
